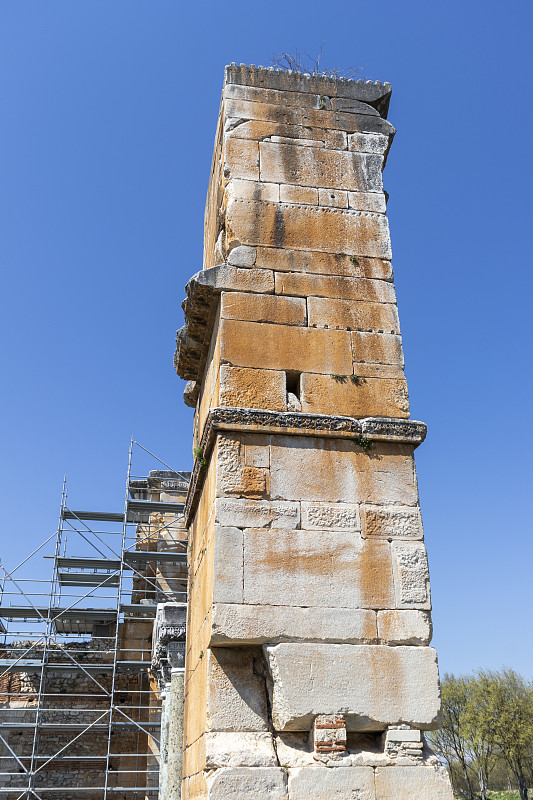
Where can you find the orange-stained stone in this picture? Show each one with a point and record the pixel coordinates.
(286, 260)
(263, 308)
(368, 397)
(377, 348)
(350, 315)
(241, 158)
(252, 388)
(335, 287)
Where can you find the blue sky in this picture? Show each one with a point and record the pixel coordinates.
(109, 112)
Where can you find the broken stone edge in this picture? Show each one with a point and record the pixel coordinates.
(292, 423)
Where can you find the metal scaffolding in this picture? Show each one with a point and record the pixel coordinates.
(79, 707)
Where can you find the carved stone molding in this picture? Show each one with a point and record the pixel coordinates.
(168, 641)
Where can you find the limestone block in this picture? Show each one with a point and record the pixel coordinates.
(229, 749)
(303, 99)
(252, 388)
(319, 469)
(243, 513)
(234, 477)
(270, 346)
(377, 348)
(257, 450)
(236, 699)
(233, 279)
(380, 397)
(228, 565)
(301, 142)
(247, 783)
(332, 784)
(323, 569)
(411, 574)
(330, 516)
(294, 749)
(252, 190)
(286, 260)
(367, 201)
(306, 166)
(260, 624)
(393, 522)
(242, 256)
(333, 286)
(368, 142)
(330, 230)
(241, 159)
(372, 685)
(402, 734)
(333, 197)
(263, 308)
(345, 314)
(298, 194)
(406, 783)
(404, 627)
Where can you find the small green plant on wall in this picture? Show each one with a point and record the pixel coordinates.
(198, 454)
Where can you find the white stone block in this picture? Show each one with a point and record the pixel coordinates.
(342, 783)
(225, 749)
(407, 626)
(259, 624)
(392, 522)
(411, 574)
(367, 201)
(247, 783)
(330, 516)
(374, 686)
(228, 565)
(295, 750)
(236, 698)
(408, 783)
(403, 735)
(243, 513)
(242, 256)
(368, 142)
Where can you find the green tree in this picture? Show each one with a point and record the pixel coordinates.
(450, 740)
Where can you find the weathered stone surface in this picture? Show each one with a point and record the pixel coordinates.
(325, 394)
(247, 783)
(252, 388)
(394, 685)
(367, 201)
(236, 698)
(259, 624)
(349, 315)
(305, 99)
(228, 558)
(242, 256)
(377, 348)
(368, 142)
(330, 516)
(333, 286)
(316, 263)
(332, 784)
(406, 783)
(268, 346)
(298, 194)
(251, 190)
(323, 569)
(392, 523)
(244, 513)
(229, 749)
(404, 627)
(241, 159)
(359, 233)
(263, 308)
(411, 574)
(333, 197)
(234, 476)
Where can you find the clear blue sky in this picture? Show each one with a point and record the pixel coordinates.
(109, 112)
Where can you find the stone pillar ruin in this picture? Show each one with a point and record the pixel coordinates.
(308, 667)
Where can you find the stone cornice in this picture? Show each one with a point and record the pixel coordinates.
(289, 423)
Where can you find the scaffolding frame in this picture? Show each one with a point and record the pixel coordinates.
(120, 697)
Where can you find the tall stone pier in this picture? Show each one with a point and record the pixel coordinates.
(308, 667)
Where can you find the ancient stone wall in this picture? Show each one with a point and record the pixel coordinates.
(309, 671)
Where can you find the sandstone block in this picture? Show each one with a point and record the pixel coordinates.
(333, 197)
(394, 685)
(411, 574)
(368, 142)
(252, 190)
(330, 516)
(252, 388)
(367, 201)
(236, 698)
(242, 256)
(301, 142)
(377, 348)
(233, 476)
(305, 166)
(298, 194)
(229, 749)
(380, 397)
(286, 260)
(326, 569)
(404, 627)
(333, 286)
(319, 469)
(243, 513)
(335, 140)
(359, 233)
(263, 308)
(393, 522)
(233, 279)
(269, 346)
(349, 315)
(260, 624)
(300, 100)
(406, 783)
(332, 784)
(241, 159)
(244, 783)
(228, 565)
